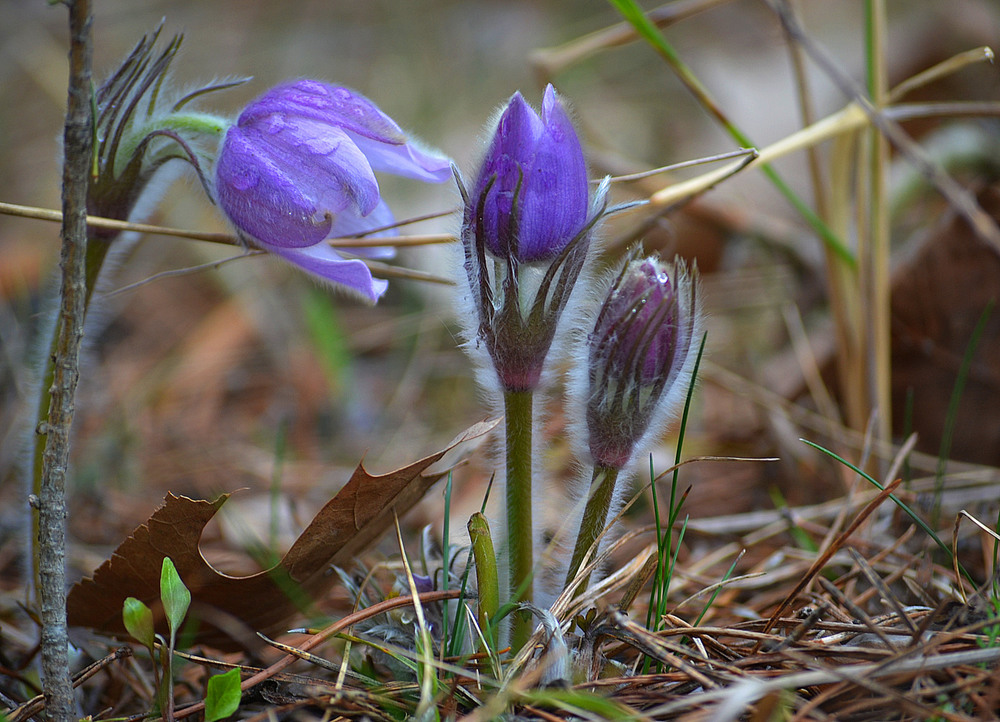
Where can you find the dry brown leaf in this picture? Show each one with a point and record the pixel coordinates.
(229, 609)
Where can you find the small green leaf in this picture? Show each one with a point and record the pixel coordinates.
(223, 695)
(577, 701)
(486, 572)
(175, 596)
(138, 619)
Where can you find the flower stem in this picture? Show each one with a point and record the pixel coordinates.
(518, 413)
(595, 516)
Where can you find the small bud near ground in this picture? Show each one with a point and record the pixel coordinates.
(640, 356)
(639, 360)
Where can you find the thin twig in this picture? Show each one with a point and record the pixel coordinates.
(78, 144)
(36, 704)
(228, 239)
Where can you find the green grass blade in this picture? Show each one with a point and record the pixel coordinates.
(631, 11)
(799, 536)
(715, 593)
(902, 505)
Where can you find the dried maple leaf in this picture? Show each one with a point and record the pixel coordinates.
(229, 609)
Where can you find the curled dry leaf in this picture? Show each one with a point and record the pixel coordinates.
(230, 609)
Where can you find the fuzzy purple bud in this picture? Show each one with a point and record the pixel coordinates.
(641, 355)
(526, 236)
(298, 167)
(535, 182)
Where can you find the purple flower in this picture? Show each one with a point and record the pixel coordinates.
(535, 182)
(526, 236)
(298, 167)
(640, 357)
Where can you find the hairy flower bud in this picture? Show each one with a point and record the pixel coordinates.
(298, 167)
(533, 182)
(640, 357)
(526, 235)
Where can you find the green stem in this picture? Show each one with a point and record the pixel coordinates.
(97, 251)
(595, 516)
(518, 414)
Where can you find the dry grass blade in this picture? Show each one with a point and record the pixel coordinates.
(228, 239)
(384, 270)
(827, 554)
(752, 688)
(941, 70)
(858, 612)
(978, 523)
(325, 635)
(883, 590)
(549, 62)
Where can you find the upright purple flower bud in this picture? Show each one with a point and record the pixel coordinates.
(298, 167)
(533, 182)
(640, 357)
(526, 234)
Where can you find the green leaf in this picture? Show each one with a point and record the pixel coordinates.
(175, 596)
(486, 572)
(138, 619)
(576, 701)
(223, 695)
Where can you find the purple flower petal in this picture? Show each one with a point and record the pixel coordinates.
(349, 224)
(262, 200)
(330, 104)
(406, 160)
(325, 162)
(538, 201)
(554, 208)
(377, 136)
(323, 261)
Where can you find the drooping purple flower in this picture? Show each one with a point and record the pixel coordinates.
(535, 182)
(298, 167)
(526, 236)
(640, 357)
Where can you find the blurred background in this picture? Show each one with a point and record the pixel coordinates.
(249, 375)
